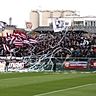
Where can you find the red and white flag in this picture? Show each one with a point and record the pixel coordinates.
(12, 39)
(18, 43)
(6, 48)
(33, 41)
(26, 42)
(19, 33)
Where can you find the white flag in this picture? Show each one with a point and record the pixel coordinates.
(58, 25)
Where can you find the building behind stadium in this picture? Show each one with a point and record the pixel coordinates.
(43, 18)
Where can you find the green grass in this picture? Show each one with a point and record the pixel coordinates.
(30, 84)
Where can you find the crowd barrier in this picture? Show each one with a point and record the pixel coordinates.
(70, 63)
(49, 63)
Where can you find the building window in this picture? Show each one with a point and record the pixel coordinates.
(78, 23)
(86, 24)
(94, 23)
(90, 23)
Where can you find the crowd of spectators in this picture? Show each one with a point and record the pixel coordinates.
(77, 43)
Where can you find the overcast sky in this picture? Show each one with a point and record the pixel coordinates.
(19, 9)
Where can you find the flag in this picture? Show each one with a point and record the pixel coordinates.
(58, 25)
(18, 43)
(19, 33)
(12, 39)
(8, 37)
(6, 48)
(26, 42)
(33, 41)
(3, 25)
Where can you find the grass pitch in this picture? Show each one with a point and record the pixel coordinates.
(47, 84)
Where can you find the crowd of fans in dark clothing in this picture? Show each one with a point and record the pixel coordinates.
(77, 43)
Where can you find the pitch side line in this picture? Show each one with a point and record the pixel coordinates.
(67, 89)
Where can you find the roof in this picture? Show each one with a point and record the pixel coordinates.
(44, 29)
(91, 29)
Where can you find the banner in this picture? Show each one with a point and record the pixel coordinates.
(58, 25)
(72, 63)
(2, 66)
(75, 66)
(28, 25)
